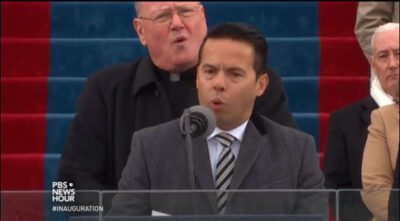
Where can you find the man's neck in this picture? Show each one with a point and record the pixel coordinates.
(236, 132)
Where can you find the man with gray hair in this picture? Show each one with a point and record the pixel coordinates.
(370, 15)
(347, 132)
(383, 87)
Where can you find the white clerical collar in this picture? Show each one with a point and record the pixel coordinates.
(174, 77)
(236, 132)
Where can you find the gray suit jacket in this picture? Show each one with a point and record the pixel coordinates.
(271, 156)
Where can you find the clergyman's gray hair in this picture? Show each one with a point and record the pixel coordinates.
(137, 8)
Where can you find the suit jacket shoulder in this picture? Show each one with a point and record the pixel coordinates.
(351, 110)
(289, 152)
(166, 133)
(389, 111)
(284, 136)
(286, 131)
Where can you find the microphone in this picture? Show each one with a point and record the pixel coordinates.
(202, 121)
(196, 121)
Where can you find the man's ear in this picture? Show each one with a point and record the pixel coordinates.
(262, 84)
(138, 26)
(197, 76)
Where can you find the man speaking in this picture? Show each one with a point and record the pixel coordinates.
(244, 151)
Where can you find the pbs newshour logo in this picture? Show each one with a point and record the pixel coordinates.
(63, 192)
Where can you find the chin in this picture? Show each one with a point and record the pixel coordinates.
(184, 61)
(223, 122)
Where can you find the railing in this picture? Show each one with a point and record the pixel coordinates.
(65, 203)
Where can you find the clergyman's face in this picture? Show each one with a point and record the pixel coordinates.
(226, 81)
(172, 42)
(385, 59)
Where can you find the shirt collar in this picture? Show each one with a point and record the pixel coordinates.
(236, 132)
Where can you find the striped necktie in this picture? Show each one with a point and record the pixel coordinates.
(225, 166)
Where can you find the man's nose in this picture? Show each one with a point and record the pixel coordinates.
(176, 22)
(220, 81)
(393, 61)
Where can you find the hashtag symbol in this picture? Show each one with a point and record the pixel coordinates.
(54, 208)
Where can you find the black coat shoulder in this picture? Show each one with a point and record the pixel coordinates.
(352, 110)
(113, 75)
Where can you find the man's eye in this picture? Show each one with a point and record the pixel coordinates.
(382, 56)
(186, 12)
(208, 71)
(235, 73)
(162, 17)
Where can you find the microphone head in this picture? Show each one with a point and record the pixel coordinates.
(202, 121)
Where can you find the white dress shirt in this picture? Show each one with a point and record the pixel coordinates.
(215, 147)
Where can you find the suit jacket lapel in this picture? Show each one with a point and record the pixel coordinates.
(202, 169)
(368, 106)
(250, 147)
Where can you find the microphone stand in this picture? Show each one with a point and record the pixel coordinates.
(188, 138)
(189, 146)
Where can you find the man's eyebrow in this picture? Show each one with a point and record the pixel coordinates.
(206, 65)
(383, 51)
(235, 69)
(161, 9)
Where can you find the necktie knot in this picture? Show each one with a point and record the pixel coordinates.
(225, 139)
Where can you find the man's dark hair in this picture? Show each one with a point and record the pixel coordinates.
(245, 33)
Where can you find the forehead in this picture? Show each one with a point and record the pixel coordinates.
(148, 7)
(387, 40)
(228, 52)
(227, 47)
